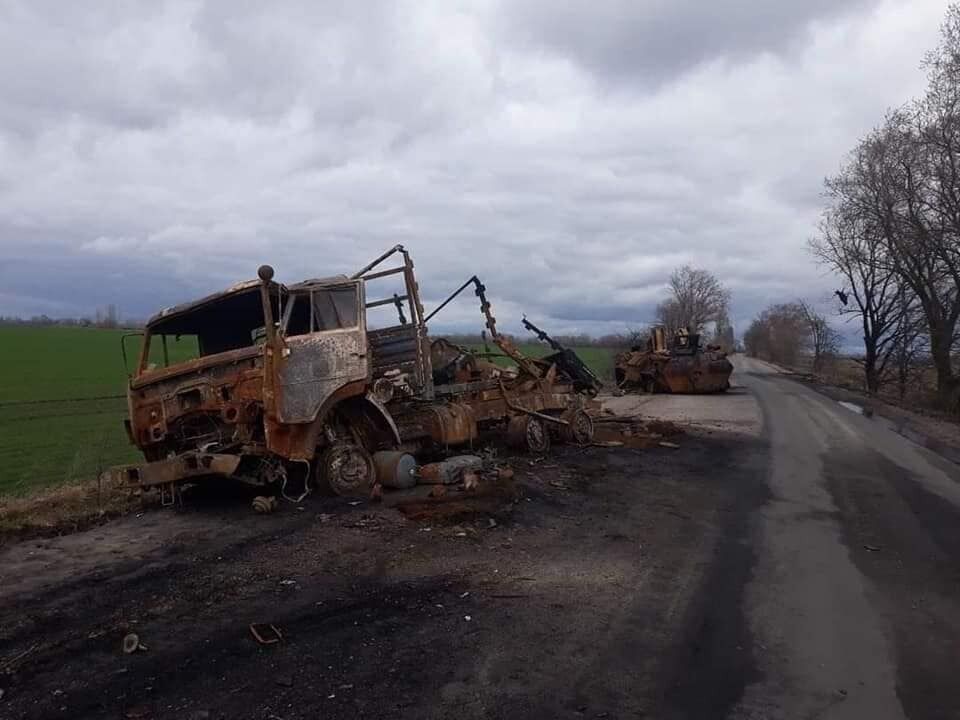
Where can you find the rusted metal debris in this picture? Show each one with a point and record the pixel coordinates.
(266, 633)
(633, 431)
(290, 386)
(684, 367)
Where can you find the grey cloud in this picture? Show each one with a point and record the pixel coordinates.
(648, 41)
(171, 148)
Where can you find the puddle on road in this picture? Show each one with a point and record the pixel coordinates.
(853, 407)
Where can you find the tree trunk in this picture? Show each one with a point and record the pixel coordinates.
(948, 384)
(870, 368)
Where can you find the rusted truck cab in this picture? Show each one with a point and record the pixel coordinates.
(251, 381)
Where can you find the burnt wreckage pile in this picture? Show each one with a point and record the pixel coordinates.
(684, 367)
(291, 379)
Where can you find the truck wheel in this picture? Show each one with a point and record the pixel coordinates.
(348, 470)
(580, 428)
(526, 432)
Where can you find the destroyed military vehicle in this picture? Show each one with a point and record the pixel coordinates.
(684, 367)
(288, 379)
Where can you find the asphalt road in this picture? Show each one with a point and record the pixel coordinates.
(854, 601)
(790, 559)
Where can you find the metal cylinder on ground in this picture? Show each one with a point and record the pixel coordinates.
(395, 469)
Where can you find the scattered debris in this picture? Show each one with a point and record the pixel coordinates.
(265, 504)
(872, 548)
(284, 682)
(468, 618)
(505, 473)
(470, 481)
(450, 471)
(671, 445)
(131, 644)
(261, 635)
(632, 431)
(8, 665)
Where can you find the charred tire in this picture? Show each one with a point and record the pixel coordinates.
(348, 470)
(526, 432)
(579, 429)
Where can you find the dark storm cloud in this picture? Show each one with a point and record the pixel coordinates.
(571, 154)
(649, 41)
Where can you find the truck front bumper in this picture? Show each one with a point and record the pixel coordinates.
(176, 469)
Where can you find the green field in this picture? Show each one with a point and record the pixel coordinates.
(51, 431)
(62, 405)
(598, 359)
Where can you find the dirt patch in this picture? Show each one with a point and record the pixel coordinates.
(63, 509)
(633, 431)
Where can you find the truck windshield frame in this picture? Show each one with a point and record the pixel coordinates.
(322, 309)
(221, 324)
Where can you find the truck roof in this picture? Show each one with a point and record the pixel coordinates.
(320, 282)
(187, 307)
(238, 288)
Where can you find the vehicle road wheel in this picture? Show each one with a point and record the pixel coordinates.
(348, 470)
(580, 428)
(527, 432)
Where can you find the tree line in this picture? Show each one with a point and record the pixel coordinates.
(105, 317)
(891, 232)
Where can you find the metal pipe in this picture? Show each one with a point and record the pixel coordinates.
(456, 292)
(386, 301)
(384, 273)
(394, 249)
(265, 274)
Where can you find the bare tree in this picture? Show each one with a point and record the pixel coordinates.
(824, 340)
(850, 244)
(723, 332)
(670, 315)
(909, 346)
(779, 334)
(697, 298)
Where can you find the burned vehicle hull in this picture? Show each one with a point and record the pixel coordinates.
(683, 368)
(289, 384)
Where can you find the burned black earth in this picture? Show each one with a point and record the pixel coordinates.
(609, 586)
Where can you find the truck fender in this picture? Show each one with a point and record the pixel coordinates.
(385, 415)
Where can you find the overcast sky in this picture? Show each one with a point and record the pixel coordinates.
(571, 154)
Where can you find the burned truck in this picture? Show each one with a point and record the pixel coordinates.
(263, 381)
(683, 367)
